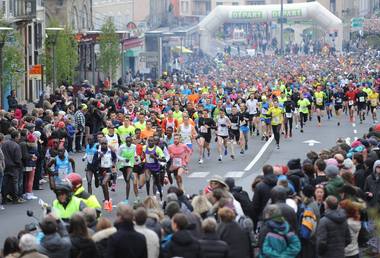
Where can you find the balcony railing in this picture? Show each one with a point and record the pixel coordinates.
(23, 9)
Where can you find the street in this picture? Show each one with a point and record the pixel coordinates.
(244, 168)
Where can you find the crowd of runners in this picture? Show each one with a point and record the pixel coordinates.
(147, 131)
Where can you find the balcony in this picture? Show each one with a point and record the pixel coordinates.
(23, 9)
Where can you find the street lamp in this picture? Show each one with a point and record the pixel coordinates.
(3, 36)
(54, 31)
(122, 33)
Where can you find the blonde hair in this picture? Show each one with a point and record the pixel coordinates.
(201, 204)
(151, 202)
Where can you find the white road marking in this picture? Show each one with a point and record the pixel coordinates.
(355, 131)
(235, 174)
(258, 156)
(311, 142)
(353, 124)
(199, 174)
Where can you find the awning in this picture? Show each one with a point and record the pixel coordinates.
(185, 50)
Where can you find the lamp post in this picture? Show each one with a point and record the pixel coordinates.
(3, 37)
(122, 35)
(54, 32)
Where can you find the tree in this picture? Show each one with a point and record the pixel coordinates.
(66, 55)
(109, 58)
(13, 61)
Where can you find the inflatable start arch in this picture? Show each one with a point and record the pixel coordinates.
(261, 13)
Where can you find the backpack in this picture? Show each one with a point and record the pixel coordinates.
(243, 198)
(308, 223)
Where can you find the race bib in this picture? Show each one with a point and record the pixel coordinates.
(361, 99)
(319, 101)
(288, 115)
(177, 162)
(90, 157)
(203, 129)
(338, 101)
(234, 126)
(276, 120)
(106, 161)
(62, 172)
(264, 111)
(350, 102)
(373, 102)
(149, 159)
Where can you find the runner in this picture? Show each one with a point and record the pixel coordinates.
(351, 98)
(265, 119)
(361, 102)
(303, 108)
(105, 163)
(289, 108)
(373, 98)
(338, 103)
(222, 123)
(319, 102)
(205, 124)
(187, 131)
(126, 155)
(252, 105)
(276, 115)
(63, 166)
(180, 156)
(91, 149)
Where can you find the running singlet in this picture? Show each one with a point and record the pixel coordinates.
(303, 106)
(178, 154)
(319, 96)
(186, 133)
(123, 132)
(252, 106)
(127, 153)
(113, 142)
(62, 168)
(222, 126)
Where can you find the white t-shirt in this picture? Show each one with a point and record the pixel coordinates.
(252, 106)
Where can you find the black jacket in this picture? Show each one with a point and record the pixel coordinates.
(83, 248)
(237, 240)
(184, 245)
(213, 247)
(12, 155)
(333, 234)
(261, 196)
(360, 176)
(126, 242)
(295, 177)
(372, 185)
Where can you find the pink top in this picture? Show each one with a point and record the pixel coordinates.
(179, 154)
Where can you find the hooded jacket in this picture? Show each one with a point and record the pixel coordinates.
(55, 246)
(101, 240)
(280, 241)
(212, 247)
(372, 185)
(334, 185)
(261, 196)
(333, 234)
(184, 245)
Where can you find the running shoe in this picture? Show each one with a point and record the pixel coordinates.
(242, 152)
(220, 158)
(232, 157)
(278, 146)
(200, 161)
(105, 205)
(125, 201)
(110, 207)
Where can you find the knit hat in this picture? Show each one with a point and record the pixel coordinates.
(331, 161)
(39, 122)
(308, 191)
(31, 138)
(37, 134)
(331, 171)
(294, 164)
(347, 164)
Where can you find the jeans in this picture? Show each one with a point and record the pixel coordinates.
(79, 141)
(10, 183)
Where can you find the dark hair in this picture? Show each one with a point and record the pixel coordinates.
(140, 216)
(312, 155)
(332, 202)
(309, 170)
(10, 246)
(320, 164)
(78, 226)
(49, 225)
(358, 157)
(181, 221)
(267, 170)
(15, 134)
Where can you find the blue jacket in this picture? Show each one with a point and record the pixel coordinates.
(280, 242)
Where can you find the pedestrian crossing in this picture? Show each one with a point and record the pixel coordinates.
(202, 174)
(234, 174)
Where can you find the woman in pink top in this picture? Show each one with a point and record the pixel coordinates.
(179, 156)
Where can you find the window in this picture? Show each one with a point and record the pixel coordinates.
(290, 1)
(235, 3)
(219, 3)
(333, 6)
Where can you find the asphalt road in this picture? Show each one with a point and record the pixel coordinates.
(244, 168)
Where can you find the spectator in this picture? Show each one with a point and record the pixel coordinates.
(335, 182)
(201, 206)
(12, 101)
(279, 241)
(13, 167)
(229, 231)
(333, 234)
(56, 241)
(354, 224)
(81, 243)
(262, 193)
(182, 243)
(104, 230)
(11, 248)
(152, 241)
(28, 246)
(372, 186)
(211, 245)
(126, 242)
